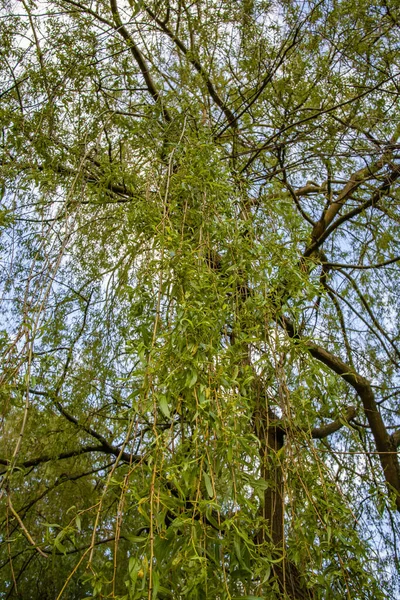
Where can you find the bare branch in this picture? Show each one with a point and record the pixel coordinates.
(105, 445)
(314, 116)
(375, 266)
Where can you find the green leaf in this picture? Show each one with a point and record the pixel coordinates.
(191, 379)
(156, 584)
(163, 404)
(208, 484)
(136, 539)
(248, 597)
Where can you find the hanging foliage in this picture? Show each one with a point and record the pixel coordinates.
(200, 279)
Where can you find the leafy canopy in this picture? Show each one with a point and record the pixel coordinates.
(199, 307)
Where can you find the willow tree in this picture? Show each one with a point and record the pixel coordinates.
(200, 299)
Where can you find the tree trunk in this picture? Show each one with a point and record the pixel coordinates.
(271, 436)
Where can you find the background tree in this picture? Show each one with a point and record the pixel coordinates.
(200, 308)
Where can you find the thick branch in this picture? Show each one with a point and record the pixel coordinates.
(137, 55)
(385, 444)
(311, 188)
(318, 433)
(232, 119)
(34, 462)
(324, 232)
(358, 178)
(106, 446)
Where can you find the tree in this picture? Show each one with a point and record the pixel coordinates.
(200, 330)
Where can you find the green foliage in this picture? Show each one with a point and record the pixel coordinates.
(197, 390)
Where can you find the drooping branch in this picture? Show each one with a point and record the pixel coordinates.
(24, 529)
(295, 194)
(373, 318)
(374, 331)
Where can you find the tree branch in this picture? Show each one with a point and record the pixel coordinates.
(385, 444)
(396, 438)
(318, 240)
(34, 462)
(318, 113)
(24, 529)
(105, 445)
(231, 117)
(137, 55)
(385, 263)
(318, 433)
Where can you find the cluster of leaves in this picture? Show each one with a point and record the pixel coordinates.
(199, 332)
